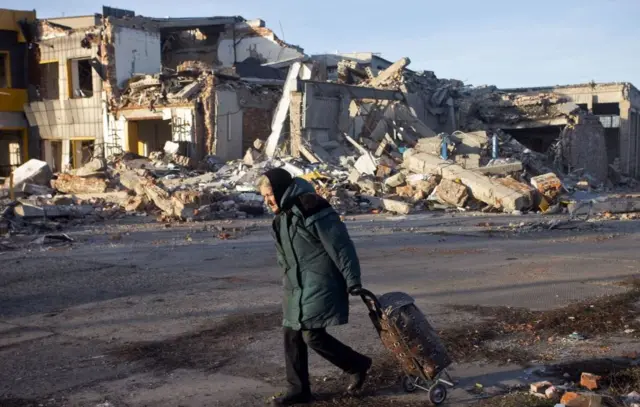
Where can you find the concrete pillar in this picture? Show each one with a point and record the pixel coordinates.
(66, 155)
(295, 122)
(625, 136)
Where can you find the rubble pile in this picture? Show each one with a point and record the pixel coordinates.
(385, 154)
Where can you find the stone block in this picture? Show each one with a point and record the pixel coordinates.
(590, 381)
(481, 187)
(366, 165)
(396, 206)
(548, 184)
(395, 180)
(32, 172)
(571, 399)
(501, 169)
(252, 157)
(452, 193)
(539, 387)
(383, 171)
(405, 191)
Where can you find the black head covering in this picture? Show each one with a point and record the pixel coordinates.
(280, 180)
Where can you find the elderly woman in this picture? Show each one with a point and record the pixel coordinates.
(320, 269)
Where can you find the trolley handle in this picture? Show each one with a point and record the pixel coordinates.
(370, 299)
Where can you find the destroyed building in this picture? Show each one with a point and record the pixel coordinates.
(94, 97)
(178, 117)
(615, 105)
(15, 70)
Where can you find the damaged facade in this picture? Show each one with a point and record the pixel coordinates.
(117, 82)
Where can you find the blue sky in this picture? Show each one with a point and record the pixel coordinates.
(506, 43)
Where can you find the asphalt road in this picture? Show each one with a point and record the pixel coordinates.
(64, 309)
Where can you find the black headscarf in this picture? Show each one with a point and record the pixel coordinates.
(280, 180)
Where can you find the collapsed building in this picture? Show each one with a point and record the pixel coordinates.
(120, 82)
(178, 117)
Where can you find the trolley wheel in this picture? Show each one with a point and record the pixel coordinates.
(437, 394)
(409, 384)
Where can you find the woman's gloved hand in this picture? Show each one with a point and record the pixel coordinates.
(356, 290)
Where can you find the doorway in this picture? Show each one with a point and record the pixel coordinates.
(147, 136)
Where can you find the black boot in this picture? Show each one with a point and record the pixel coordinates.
(292, 399)
(358, 379)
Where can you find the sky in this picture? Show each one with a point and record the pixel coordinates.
(508, 43)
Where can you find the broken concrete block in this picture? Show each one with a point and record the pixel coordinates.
(405, 191)
(171, 147)
(73, 184)
(548, 184)
(429, 145)
(395, 206)
(252, 157)
(480, 186)
(395, 180)
(393, 70)
(523, 188)
(96, 165)
(552, 393)
(452, 193)
(32, 172)
(26, 210)
(539, 387)
(590, 381)
(306, 153)
(366, 164)
(501, 169)
(571, 399)
(383, 171)
(258, 144)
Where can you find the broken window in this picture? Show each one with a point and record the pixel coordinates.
(49, 86)
(15, 155)
(5, 78)
(606, 108)
(81, 78)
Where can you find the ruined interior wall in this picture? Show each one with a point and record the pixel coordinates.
(584, 146)
(136, 52)
(229, 125)
(259, 43)
(190, 45)
(256, 124)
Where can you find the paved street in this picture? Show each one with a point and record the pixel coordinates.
(64, 311)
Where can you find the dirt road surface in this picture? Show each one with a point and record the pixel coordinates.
(188, 315)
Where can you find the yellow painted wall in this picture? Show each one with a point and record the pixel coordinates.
(9, 20)
(132, 137)
(12, 100)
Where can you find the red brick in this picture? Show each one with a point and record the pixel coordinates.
(590, 381)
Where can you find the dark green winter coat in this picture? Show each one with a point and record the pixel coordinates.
(318, 258)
